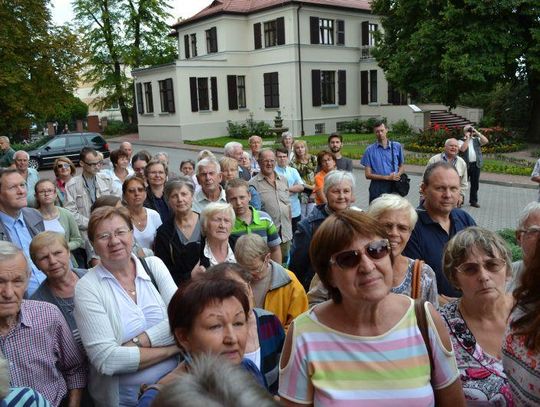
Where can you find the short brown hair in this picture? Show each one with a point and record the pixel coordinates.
(104, 213)
(195, 295)
(323, 154)
(66, 160)
(334, 235)
(116, 155)
(129, 180)
(151, 163)
(236, 183)
(335, 135)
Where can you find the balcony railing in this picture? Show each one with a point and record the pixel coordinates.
(365, 52)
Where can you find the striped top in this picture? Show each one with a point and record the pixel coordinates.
(24, 397)
(327, 367)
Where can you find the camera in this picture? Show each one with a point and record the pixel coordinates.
(470, 130)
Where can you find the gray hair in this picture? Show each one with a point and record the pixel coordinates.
(336, 177)
(206, 162)
(529, 209)
(286, 134)
(214, 382)
(249, 247)
(4, 377)
(213, 208)
(17, 153)
(448, 140)
(205, 154)
(161, 154)
(230, 146)
(8, 251)
(466, 240)
(392, 202)
(5, 139)
(178, 183)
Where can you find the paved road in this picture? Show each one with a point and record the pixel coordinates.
(500, 209)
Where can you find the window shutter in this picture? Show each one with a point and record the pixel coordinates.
(213, 89)
(186, 45)
(193, 93)
(170, 95)
(316, 87)
(231, 90)
(314, 30)
(257, 35)
(140, 105)
(340, 32)
(280, 25)
(213, 33)
(373, 86)
(342, 88)
(364, 83)
(365, 32)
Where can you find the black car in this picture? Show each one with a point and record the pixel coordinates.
(67, 145)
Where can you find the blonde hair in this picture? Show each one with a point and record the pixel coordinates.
(249, 247)
(214, 208)
(227, 162)
(45, 239)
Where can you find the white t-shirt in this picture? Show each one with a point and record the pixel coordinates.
(146, 237)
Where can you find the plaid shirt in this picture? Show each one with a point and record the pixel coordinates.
(42, 353)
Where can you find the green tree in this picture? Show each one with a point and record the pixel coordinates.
(438, 50)
(39, 64)
(121, 35)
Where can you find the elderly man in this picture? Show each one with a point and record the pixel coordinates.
(450, 155)
(335, 143)
(127, 148)
(6, 152)
(234, 149)
(438, 221)
(30, 175)
(274, 192)
(208, 174)
(527, 235)
(255, 145)
(471, 151)
(296, 185)
(383, 163)
(19, 224)
(35, 338)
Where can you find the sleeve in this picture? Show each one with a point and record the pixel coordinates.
(160, 334)
(294, 378)
(413, 249)
(319, 182)
(317, 293)
(272, 235)
(73, 234)
(71, 205)
(429, 284)
(401, 156)
(446, 370)
(349, 166)
(255, 198)
(104, 350)
(71, 360)
(299, 258)
(161, 248)
(297, 179)
(366, 158)
(298, 302)
(114, 188)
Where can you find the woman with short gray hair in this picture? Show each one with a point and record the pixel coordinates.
(477, 262)
(217, 221)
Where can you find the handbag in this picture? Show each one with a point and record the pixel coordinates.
(416, 288)
(403, 185)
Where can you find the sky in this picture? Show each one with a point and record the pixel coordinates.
(62, 12)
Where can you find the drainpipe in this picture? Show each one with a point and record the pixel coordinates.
(302, 132)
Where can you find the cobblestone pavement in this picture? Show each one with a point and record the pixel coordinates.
(501, 196)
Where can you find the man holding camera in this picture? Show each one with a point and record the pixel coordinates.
(470, 147)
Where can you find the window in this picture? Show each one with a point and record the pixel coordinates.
(271, 89)
(395, 97)
(324, 87)
(148, 97)
(75, 141)
(140, 103)
(202, 94)
(368, 38)
(59, 142)
(373, 86)
(270, 33)
(211, 40)
(236, 88)
(368, 87)
(166, 95)
(193, 44)
(319, 128)
(327, 31)
(186, 46)
(274, 33)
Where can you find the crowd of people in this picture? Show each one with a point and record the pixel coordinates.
(253, 279)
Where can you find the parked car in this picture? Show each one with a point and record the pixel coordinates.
(68, 145)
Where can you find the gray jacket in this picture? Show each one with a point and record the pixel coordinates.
(32, 219)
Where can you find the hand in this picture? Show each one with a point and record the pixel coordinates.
(198, 269)
(394, 176)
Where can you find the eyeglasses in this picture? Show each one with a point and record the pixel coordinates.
(96, 164)
(62, 166)
(492, 265)
(119, 233)
(46, 192)
(375, 250)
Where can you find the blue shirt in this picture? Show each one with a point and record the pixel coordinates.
(20, 237)
(24, 397)
(31, 181)
(379, 159)
(293, 178)
(427, 242)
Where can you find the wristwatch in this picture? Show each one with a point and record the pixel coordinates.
(137, 341)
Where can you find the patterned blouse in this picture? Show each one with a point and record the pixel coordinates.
(428, 283)
(306, 170)
(521, 364)
(481, 374)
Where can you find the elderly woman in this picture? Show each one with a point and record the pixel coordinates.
(57, 219)
(121, 312)
(287, 141)
(50, 253)
(327, 162)
(156, 173)
(146, 221)
(64, 170)
(365, 345)
(275, 288)
(217, 220)
(339, 193)
(179, 240)
(477, 262)
(120, 170)
(306, 164)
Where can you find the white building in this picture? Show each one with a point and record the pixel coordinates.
(310, 59)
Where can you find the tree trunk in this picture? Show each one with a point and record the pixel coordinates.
(533, 133)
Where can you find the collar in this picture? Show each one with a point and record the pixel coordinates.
(201, 196)
(379, 144)
(103, 273)
(24, 318)
(445, 158)
(210, 256)
(10, 221)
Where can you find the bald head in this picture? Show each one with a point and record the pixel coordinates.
(127, 148)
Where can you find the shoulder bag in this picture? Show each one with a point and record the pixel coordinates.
(403, 185)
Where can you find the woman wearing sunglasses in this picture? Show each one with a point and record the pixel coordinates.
(364, 346)
(477, 262)
(64, 170)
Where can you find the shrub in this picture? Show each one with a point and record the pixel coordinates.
(509, 236)
(115, 127)
(358, 126)
(402, 128)
(247, 129)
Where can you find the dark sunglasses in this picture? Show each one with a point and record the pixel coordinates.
(375, 250)
(60, 166)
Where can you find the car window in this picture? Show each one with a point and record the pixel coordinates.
(57, 143)
(75, 141)
(96, 139)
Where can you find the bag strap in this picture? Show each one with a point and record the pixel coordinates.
(392, 154)
(149, 272)
(416, 287)
(421, 321)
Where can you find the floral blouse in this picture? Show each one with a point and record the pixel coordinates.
(306, 170)
(482, 376)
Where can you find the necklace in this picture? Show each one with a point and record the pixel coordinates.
(139, 221)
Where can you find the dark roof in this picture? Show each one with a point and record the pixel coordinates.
(251, 6)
